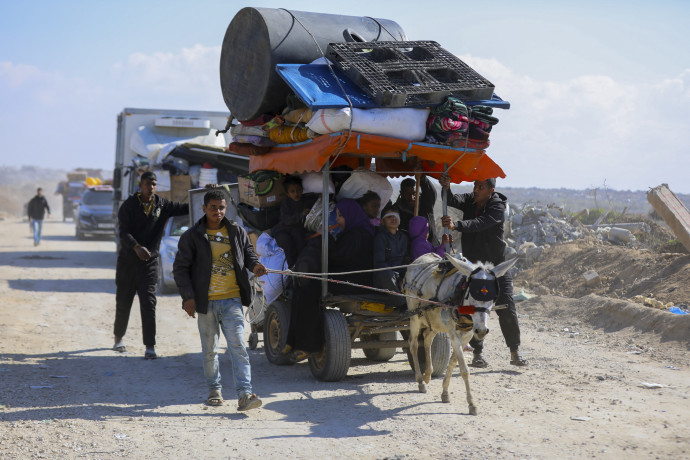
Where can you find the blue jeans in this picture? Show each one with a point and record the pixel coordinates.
(227, 315)
(37, 226)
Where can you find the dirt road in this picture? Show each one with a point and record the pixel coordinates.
(65, 394)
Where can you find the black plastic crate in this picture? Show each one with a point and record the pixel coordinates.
(411, 73)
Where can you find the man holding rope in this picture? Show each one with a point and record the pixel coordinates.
(482, 241)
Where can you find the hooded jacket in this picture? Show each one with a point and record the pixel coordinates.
(419, 245)
(193, 262)
(482, 230)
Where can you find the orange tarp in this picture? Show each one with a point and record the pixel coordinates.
(392, 157)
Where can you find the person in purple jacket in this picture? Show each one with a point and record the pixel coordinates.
(419, 245)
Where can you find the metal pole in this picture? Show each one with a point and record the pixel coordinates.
(324, 224)
(444, 195)
(417, 176)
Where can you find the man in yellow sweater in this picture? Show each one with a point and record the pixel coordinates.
(210, 272)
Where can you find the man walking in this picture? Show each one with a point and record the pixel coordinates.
(483, 215)
(141, 220)
(210, 271)
(37, 208)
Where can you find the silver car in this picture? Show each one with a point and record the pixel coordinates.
(174, 228)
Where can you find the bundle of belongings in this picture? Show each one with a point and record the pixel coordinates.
(451, 123)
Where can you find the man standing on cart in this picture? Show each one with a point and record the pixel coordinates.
(427, 198)
(482, 241)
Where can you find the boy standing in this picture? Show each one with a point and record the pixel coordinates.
(210, 273)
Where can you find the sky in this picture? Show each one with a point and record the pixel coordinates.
(599, 90)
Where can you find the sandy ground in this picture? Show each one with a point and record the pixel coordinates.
(65, 394)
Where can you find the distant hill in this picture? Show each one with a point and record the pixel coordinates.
(18, 186)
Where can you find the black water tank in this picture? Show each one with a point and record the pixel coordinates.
(259, 38)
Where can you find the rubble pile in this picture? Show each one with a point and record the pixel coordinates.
(530, 229)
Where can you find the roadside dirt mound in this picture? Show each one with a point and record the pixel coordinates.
(633, 324)
(623, 272)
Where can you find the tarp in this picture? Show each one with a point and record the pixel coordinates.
(392, 157)
(317, 87)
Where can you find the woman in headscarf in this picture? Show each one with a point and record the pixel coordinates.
(353, 249)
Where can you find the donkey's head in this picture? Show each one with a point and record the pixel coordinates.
(481, 292)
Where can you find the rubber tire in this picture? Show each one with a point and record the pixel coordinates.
(276, 324)
(381, 354)
(331, 365)
(253, 341)
(440, 353)
(163, 289)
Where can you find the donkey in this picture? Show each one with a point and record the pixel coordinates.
(472, 290)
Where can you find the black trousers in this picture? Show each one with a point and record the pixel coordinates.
(134, 276)
(507, 316)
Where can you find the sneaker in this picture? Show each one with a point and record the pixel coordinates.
(150, 353)
(248, 401)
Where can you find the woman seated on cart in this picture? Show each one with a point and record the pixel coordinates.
(351, 251)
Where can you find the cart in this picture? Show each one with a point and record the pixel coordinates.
(350, 321)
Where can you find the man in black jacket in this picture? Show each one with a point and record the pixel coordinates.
(406, 201)
(483, 215)
(37, 208)
(210, 271)
(141, 221)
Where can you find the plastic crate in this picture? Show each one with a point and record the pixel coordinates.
(409, 73)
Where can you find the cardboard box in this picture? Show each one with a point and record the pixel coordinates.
(167, 194)
(179, 188)
(248, 195)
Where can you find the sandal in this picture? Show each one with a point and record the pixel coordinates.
(119, 345)
(516, 359)
(298, 355)
(249, 401)
(215, 398)
(479, 361)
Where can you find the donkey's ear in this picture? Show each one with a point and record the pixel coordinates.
(463, 265)
(501, 269)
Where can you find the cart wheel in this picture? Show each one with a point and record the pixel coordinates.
(276, 323)
(440, 353)
(381, 354)
(333, 362)
(253, 340)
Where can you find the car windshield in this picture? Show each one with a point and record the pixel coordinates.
(179, 225)
(93, 197)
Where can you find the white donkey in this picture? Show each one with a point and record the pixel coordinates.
(471, 291)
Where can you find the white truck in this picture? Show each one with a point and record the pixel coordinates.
(168, 140)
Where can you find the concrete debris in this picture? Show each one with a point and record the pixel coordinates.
(673, 211)
(531, 229)
(591, 278)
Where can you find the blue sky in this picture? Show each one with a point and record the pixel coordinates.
(600, 90)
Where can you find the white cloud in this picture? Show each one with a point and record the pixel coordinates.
(189, 76)
(587, 130)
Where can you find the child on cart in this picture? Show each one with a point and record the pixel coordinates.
(289, 233)
(419, 244)
(390, 250)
